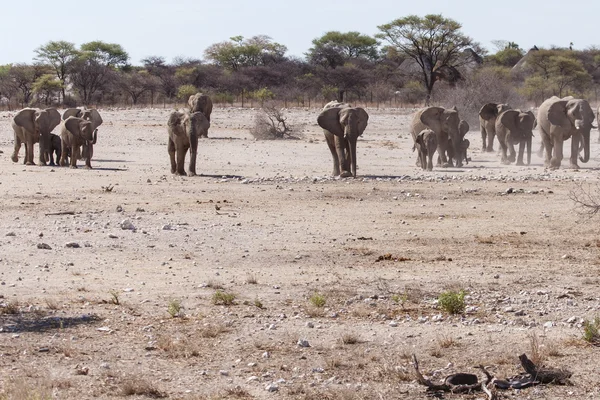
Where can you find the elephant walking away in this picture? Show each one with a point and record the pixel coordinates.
(201, 103)
(342, 125)
(30, 126)
(561, 119)
(54, 149)
(444, 122)
(487, 123)
(184, 129)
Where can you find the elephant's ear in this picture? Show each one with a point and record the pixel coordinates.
(71, 112)
(200, 118)
(453, 108)
(25, 118)
(330, 121)
(509, 119)
(431, 118)
(557, 114)
(532, 115)
(175, 118)
(73, 125)
(363, 119)
(192, 100)
(489, 111)
(95, 118)
(419, 138)
(463, 128)
(53, 118)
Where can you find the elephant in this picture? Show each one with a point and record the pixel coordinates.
(184, 130)
(487, 123)
(515, 126)
(444, 122)
(201, 103)
(75, 132)
(426, 144)
(342, 125)
(30, 126)
(54, 148)
(463, 128)
(561, 119)
(90, 114)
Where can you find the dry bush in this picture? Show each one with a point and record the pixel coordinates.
(446, 342)
(349, 338)
(212, 330)
(178, 347)
(136, 386)
(488, 84)
(12, 307)
(22, 389)
(271, 123)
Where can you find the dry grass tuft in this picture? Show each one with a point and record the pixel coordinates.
(136, 386)
(349, 338)
(178, 347)
(251, 279)
(446, 342)
(12, 307)
(212, 330)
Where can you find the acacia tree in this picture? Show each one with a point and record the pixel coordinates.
(334, 48)
(94, 66)
(60, 55)
(239, 52)
(433, 42)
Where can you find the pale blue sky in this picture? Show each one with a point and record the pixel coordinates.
(186, 27)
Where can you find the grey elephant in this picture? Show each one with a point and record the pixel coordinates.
(444, 122)
(342, 125)
(54, 149)
(90, 114)
(512, 127)
(487, 123)
(184, 129)
(426, 144)
(201, 103)
(561, 119)
(74, 133)
(30, 126)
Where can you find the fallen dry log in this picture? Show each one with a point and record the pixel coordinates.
(467, 383)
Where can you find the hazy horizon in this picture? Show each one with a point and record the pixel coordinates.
(185, 28)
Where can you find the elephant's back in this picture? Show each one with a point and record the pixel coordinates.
(416, 125)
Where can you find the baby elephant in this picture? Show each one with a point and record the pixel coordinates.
(426, 144)
(55, 149)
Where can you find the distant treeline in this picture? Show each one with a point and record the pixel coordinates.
(400, 66)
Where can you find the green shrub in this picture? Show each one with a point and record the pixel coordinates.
(590, 330)
(452, 302)
(223, 298)
(174, 308)
(317, 300)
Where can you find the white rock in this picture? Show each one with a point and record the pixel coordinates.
(303, 343)
(393, 324)
(127, 225)
(271, 387)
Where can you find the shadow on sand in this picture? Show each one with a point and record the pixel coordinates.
(34, 322)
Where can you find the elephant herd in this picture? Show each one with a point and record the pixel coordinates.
(433, 129)
(438, 129)
(78, 134)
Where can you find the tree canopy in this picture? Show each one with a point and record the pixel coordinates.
(431, 41)
(334, 48)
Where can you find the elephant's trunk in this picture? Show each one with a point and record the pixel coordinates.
(353, 156)
(586, 147)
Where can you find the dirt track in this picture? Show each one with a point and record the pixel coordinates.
(267, 223)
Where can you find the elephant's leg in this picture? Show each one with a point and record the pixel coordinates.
(181, 150)
(546, 144)
(171, 149)
(511, 151)
(340, 147)
(63, 154)
(15, 155)
(557, 153)
(575, 141)
(90, 153)
(442, 149)
(504, 150)
(483, 137)
(521, 152)
(429, 159)
(74, 154)
(193, 154)
(329, 138)
(490, 145)
(29, 152)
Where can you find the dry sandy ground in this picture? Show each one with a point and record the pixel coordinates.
(265, 223)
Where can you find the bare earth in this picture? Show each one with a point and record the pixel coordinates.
(266, 223)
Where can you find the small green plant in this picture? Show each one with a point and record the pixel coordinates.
(114, 297)
(317, 300)
(223, 298)
(400, 298)
(590, 331)
(452, 302)
(174, 308)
